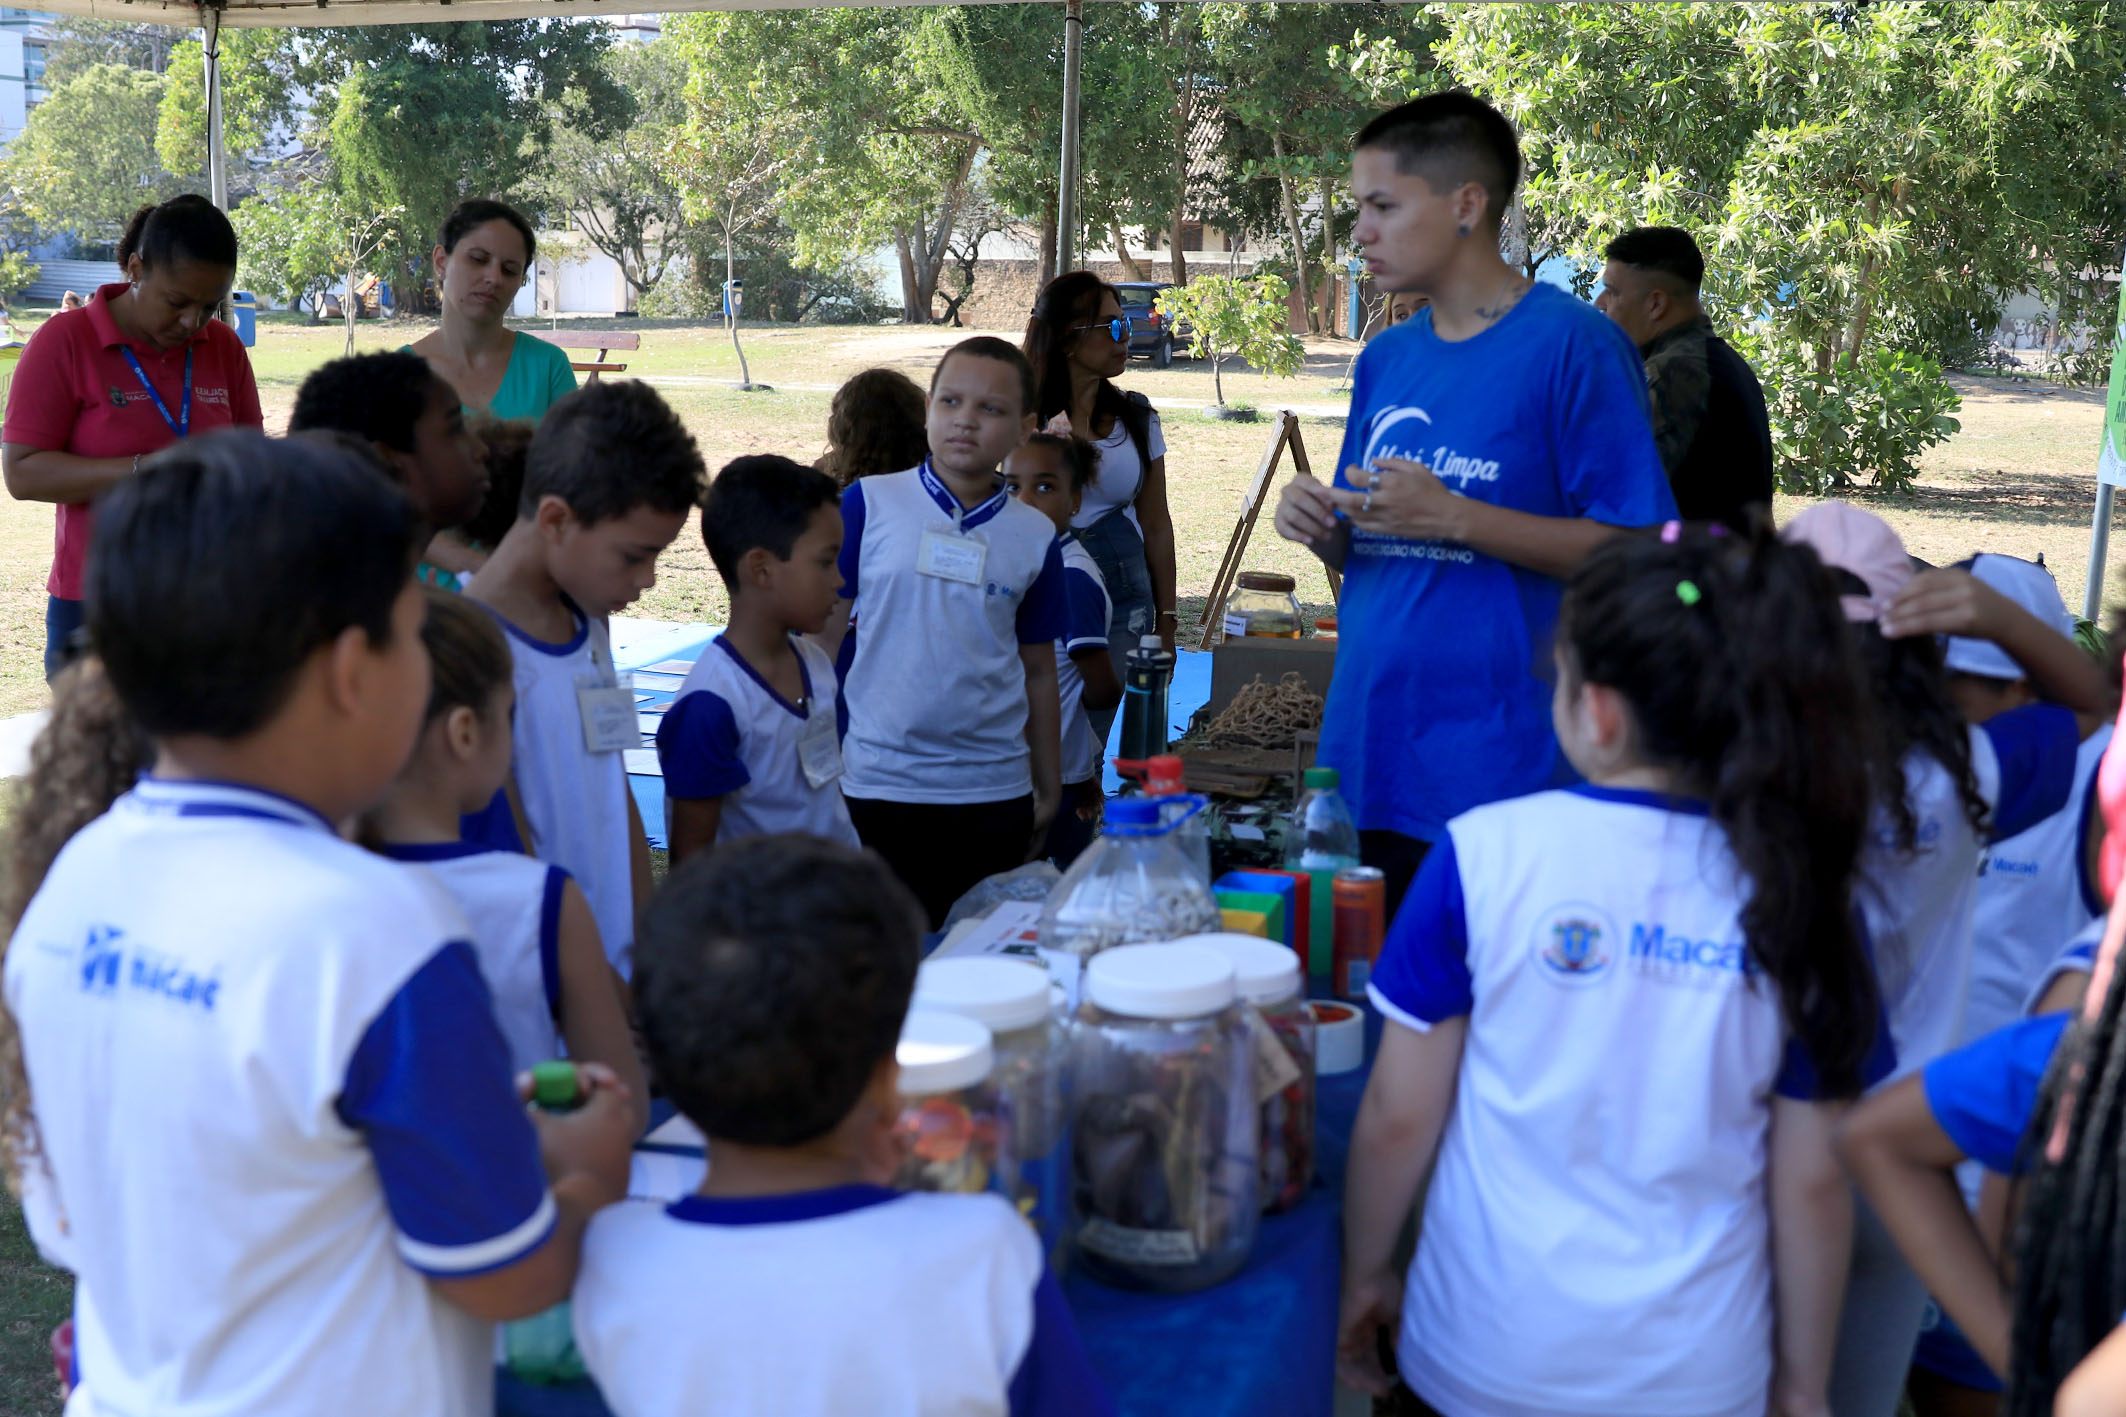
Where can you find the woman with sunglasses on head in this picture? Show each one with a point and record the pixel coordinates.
(1078, 341)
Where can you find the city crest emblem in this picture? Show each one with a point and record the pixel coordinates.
(1573, 945)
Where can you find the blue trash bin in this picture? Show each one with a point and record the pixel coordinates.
(244, 312)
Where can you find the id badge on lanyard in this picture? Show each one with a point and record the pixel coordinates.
(182, 424)
(606, 701)
(950, 555)
(819, 751)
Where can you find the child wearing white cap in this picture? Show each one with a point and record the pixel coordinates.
(1947, 790)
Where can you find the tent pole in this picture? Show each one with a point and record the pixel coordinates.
(1067, 175)
(2099, 545)
(217, 160)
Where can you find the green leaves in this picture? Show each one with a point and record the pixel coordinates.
(86, 159)
(1237, 316)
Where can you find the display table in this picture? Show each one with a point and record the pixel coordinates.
(1262, 1344)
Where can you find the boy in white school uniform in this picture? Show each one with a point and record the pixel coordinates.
(608, 484)
(752, 744)
(953, 751)
(275, 1134)
(773, 977)
(1050, 472)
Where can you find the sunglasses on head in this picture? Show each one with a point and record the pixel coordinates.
(1118, 329)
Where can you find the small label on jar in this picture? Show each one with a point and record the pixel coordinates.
(1148, 1247)
(1236, 625)
(1274, 1068)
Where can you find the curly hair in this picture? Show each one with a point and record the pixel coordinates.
(875, 425)
(379, 396)
(772, 975)
(89, 753)
(508, 441)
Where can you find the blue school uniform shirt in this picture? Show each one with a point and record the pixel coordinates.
(827, 1303)
(1441, 695)
(1984, 1094)
(1604, 1162)
(935, 687)
(272, 1105)
(730, 735)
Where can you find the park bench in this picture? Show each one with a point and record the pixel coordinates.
(604, 341)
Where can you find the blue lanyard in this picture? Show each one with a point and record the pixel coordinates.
(182, 424)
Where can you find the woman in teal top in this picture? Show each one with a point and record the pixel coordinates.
(481, 261)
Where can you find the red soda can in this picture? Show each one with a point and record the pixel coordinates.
(1361, 924)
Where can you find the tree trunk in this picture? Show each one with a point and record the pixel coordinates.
(1299, 243)
(730, 306)
(1217, 382)
(940, 238)
(1328, 255)
(1179, 260)
(1864, 298)
(1184, 119)
(909, 306)
(348, 308)
(1130, 267)
(1048, 242)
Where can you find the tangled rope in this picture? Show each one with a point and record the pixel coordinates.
(1265, 715)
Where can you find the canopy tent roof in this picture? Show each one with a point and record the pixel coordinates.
(267, 14)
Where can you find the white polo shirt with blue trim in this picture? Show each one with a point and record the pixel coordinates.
(936, 689)
(2033, 892)
(575, 800)
(514, 906)
(271, 1103)
(1602, 1173)
(1089, 610)
(827, 1304)
(729, 734)
(1921, 904)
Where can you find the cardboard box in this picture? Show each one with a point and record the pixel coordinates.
(1236, 663)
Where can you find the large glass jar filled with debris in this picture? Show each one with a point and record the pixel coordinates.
(1010, 997)
(1135, 886)
(949, 1125)
(1164, 1168)
(1268, 977)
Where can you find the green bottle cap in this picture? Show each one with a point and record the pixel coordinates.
(1323, 777)
(554, 1085)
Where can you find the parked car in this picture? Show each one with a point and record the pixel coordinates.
(1152, 334)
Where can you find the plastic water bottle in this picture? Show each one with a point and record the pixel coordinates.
(1323, 836)
(1133, 887)
(1147, 680)
(542, 1348)
(1166, 781)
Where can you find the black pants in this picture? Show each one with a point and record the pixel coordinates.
(941, 852)
(1071, 833)
(1395, 856)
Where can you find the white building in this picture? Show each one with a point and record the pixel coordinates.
(22, 58)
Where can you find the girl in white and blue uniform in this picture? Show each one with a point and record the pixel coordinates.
(551, 989)
(1947, 791)
(1620, 1018)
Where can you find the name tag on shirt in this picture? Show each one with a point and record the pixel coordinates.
(952, 557)
(819, 751)
(608, 711)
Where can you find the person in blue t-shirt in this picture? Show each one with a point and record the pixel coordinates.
(1495, 438)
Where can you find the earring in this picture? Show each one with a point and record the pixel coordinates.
(1462, 230)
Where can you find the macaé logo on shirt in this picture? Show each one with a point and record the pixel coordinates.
(1573, 944)
(107, 963)
(1656, 950)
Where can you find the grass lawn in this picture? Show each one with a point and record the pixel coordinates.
(2018, 479)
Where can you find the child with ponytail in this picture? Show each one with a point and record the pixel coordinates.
(1622, 1018)
(532, 929)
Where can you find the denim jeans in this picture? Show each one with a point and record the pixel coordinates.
(1117, 547)
(61, 619)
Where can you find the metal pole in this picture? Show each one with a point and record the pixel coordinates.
(2099, 546)
(1067, 174)
(217, 160)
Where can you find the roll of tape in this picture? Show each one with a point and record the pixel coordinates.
(1339, 1038)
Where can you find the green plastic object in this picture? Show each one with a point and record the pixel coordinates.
(554, 1086)
(1323, 777)
(542, 1348)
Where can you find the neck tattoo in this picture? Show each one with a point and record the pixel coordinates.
(1507, 299)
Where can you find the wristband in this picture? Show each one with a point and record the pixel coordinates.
(1170, 615)
(136, 464)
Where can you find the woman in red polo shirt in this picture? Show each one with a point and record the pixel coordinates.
(142, 365)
